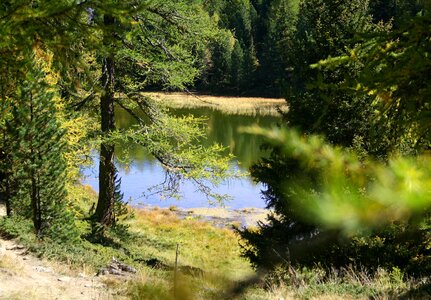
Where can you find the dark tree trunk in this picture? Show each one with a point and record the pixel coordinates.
(104, 213)
(7, 197)
(4, 179)
(35, 202)
(8, 192)
(35, 199)
(5, 192)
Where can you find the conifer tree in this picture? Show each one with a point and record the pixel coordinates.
(238, 51)
(154, 44)
(38, 165)
(139, 43)
(323, 28)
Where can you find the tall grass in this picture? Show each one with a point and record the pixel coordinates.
(228, 105)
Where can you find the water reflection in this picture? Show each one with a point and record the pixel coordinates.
(144, 171)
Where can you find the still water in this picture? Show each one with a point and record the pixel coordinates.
(144, 171)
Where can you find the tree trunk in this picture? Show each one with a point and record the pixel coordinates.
(5, 193)
(8, 196)
(35, 199)
(104, 213)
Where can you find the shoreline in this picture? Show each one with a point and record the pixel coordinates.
(242, 105)
(220, 217)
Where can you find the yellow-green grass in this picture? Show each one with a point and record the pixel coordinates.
(345, 283)
(213, 250)
(209, 258)
(212, 254)
(154, 234)
(229, 105)
(9, 264)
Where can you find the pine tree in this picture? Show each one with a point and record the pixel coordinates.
(238, 65)
(324, 28)
(279, 27)
(37, 159)
(140, 44)
(234, 60)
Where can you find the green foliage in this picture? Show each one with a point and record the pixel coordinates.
(36, 151)
(16, 226)
(160, 47)
(394, 77)
(217, 75)
(336, 206)
(378, 192)
(34, 52)
(176, 143)
(276, 42)
(316, 105)
(382, 208)
(323, 28)
(233, 54)
(147, 44)
(155, 46)
(253, 60)
(395, 11)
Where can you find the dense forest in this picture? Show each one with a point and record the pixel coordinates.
(347, 179)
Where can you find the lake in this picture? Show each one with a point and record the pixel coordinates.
(144, 171)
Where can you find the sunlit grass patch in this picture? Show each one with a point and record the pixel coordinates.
(348, 283)
(209, 263)
(10, 264)
(201, 245)
(229, 105)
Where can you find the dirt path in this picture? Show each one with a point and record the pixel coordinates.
(23, 276)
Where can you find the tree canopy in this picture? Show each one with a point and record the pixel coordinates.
(104, 54)
(359, 194)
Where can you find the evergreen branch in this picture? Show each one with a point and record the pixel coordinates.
(168, 16)
(130, 111)
(81, 103)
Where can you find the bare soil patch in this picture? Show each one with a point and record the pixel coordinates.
(23, 276)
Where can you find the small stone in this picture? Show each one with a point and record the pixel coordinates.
(15, 247)
(6, 272)
(116, 272)
(64, 279)
(42, 269)
(102, 271)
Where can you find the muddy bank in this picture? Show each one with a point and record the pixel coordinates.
(221, 217)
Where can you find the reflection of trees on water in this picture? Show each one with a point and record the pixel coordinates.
(222, 129)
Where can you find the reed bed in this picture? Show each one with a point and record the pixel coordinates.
(229, 105)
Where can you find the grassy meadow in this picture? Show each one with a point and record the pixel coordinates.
(209, 262)
(228, 105)
(209, 257)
